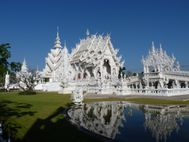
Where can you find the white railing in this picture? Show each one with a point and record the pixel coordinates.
(183, 73)
(94, 89)
(156, 92)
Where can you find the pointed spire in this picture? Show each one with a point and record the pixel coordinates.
(143, 60)
(178, 66)
(57, 33)
(57, 28)
(160, 46)
(160, 49)
(57, 41)
(65, 50)
(65, 44)
(24, 67)
(153, 47)
(37, 69)
(153, 44)
(87, 32)
(173, 57)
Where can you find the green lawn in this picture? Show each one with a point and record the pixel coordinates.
(40, 117)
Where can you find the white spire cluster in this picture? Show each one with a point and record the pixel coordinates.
(158, 60)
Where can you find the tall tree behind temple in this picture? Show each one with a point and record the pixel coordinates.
(14, 67)
(4, 56)
(5, 66)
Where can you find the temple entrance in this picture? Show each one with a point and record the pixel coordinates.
(170, 83)
(107, 66)
(156, 83)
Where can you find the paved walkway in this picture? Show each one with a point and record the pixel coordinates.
(94, 96)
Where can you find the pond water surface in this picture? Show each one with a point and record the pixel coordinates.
(127, 122)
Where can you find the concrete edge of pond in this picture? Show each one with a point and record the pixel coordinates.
(180, 98)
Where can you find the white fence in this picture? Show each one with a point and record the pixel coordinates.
(155, 92)
(129, 91)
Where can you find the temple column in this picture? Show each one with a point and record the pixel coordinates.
(144, 69)
(186, 84)
(147, 83)
(152, 85)
(177, 83)
(147, 69)
(137, 85)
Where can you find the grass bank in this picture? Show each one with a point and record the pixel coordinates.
(38, 117)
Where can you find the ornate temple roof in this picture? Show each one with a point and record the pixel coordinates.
(159, 60)
(92, 49)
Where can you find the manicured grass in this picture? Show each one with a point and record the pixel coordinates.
(38, 117)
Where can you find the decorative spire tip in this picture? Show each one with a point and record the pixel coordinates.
(87, 32)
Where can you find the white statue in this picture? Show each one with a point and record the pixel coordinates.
(7, 81)
(77, 96)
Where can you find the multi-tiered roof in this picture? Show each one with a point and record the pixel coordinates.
(93, 48)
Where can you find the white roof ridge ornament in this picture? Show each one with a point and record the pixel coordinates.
(153, 47)
(87, 32)
(57, 41)
(65, 46)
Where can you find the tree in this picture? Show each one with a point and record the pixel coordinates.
(4, 64)
(14, 67)
(27, 80)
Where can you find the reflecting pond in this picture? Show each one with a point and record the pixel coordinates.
(127, 122)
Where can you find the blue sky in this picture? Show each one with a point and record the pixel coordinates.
(30, 26)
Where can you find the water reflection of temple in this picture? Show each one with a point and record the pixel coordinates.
(162, 121)
(111, 120)
(102, 118)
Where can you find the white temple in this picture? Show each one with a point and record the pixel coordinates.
(93, 63)
(95, 66)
